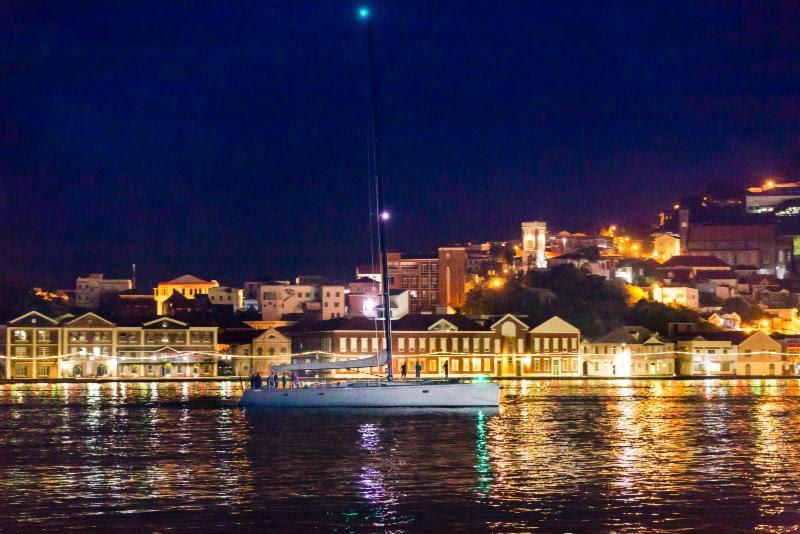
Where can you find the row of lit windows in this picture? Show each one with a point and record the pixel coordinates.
(51, 337)
(454, 344)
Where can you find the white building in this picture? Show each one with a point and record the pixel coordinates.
(277, 300)
(629, 351)
(677, 296)
(91, 291)
(227, 296)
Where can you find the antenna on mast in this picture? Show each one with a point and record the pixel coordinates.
(381, 215)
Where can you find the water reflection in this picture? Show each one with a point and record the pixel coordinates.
(563, 455)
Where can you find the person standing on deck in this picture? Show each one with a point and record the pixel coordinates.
(257, 382)
(418, 369)
(403, 371)
(446, 369)
(283, 381)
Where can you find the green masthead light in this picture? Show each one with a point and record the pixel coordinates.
(363, 13)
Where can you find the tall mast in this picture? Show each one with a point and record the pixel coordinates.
(381, 214)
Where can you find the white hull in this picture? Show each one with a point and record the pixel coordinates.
(384, 396)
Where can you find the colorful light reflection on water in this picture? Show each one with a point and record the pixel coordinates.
(629, 455)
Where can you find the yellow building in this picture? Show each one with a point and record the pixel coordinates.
(187, 285)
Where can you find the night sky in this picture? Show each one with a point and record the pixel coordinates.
(230, 139)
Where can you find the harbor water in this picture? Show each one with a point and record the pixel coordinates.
(577, 455)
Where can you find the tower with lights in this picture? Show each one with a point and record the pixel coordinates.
(534, 240)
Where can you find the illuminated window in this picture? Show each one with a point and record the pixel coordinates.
(537, 364)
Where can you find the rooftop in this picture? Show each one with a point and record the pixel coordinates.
(677, 262)
(188, 280)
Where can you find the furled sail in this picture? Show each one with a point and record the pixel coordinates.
(372, 361)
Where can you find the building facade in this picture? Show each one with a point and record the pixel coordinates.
(534, 243)
(94, 290)
(507, 347)
(187, 285)
(255, 351)
(91, 346)
(629, 351)
(325, 301)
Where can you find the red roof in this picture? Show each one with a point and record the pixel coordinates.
(687, 262)
(739, 232)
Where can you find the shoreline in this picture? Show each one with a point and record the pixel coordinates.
(236, 379)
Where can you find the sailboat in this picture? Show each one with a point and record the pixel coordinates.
(378, 393)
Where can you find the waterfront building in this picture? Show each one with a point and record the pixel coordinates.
(253, 350)
(94, 290)
(187, 285)
(504, 348)
(37, 346)
(166, 347)
(33, 343)
(731, 353)
(89, 347)
(629, 351)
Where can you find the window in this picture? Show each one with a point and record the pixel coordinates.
(374, 344)
(401, 344)
(412, 344)
(547, 344)
(486, 344)
(454, 365)
(465, 344)
(353, 344)
(432, 366)
(547, 364)
(422, 344)
(21, 336)
(537, 364)
(364, 344)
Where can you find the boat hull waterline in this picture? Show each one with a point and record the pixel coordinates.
(385, 396)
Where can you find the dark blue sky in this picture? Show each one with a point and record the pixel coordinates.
(229, 139)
